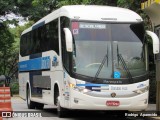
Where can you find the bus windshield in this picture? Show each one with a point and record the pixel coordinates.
(109, 50)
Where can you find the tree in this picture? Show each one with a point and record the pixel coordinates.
(36, 9)
(87, 2)
(6, 41)
(9, 48)
(13, 59)
(6, 6)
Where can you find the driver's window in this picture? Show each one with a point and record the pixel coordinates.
(65, 55)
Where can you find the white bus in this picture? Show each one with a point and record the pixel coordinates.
(86, 57)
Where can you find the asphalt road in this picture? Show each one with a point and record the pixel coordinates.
(49, 113)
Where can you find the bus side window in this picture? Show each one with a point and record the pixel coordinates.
(34, 41)
(22, 45)
(43, 38)
(54, 41)
(31, 43)
(25, 44)
(47, 38)
(28, 44)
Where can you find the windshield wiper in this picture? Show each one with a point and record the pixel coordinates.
(125, 67)
(101, 66)
(119, 56)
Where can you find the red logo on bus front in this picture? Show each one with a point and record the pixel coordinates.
(112, 103)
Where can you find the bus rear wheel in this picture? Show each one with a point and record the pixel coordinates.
(30, 104)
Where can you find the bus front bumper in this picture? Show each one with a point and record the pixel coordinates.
(85, 102)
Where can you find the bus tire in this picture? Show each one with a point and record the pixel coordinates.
(61, 111)
(30, 104)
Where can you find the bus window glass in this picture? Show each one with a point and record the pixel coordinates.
(124, 45)
(41, 39)
(95, 41)
(92, 45)
(65, 55)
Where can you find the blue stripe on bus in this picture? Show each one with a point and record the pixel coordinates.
(41, 63)
(92, 85)
(35, 90)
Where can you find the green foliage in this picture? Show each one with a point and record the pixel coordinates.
(6, 39)
(19, 29)
(6, 42)
(125, 3)
(14, 87)
(9, 48)
(61, 3)
(7, 6)
(13, 68)
(73, 2)
(36, 9)
(134, 5)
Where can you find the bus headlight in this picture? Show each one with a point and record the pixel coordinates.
(142, 90)
(81, 89)
(78, 88)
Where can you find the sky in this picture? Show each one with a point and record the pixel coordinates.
(21, 20)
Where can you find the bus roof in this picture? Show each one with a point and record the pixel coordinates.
(91, 13)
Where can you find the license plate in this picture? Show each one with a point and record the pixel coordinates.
(112, 103)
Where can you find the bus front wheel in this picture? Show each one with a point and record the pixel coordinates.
(60, 111)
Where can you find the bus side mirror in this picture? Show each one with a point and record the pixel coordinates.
(69, 39)
(155, 40)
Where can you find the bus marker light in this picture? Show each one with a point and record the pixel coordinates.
(71, 85)
(112, 103)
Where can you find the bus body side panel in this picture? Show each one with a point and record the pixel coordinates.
(41, 87)
(43, 81)
(23, 78)
(57, 78)
(67, 92)
(46, 93)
